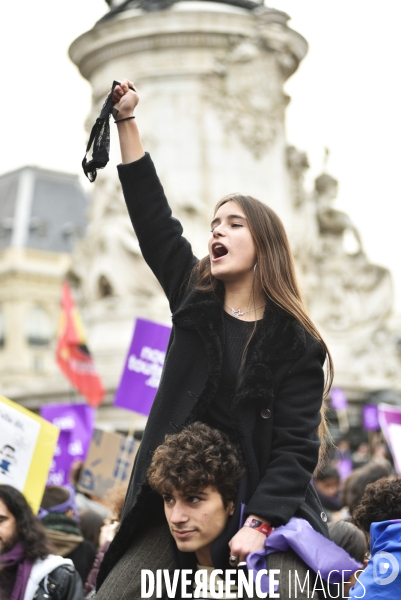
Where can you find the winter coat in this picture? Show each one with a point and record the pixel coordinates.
(54, 578)
(381, 578)
(276, 409)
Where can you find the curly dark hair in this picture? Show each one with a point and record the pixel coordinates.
(30, 531)
(381, 501)
(197, 457)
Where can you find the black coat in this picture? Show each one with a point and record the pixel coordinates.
(276, 410)
(64, 583)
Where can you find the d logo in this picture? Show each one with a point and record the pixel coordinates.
(383, 563)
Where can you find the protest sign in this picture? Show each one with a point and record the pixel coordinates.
(109, 462)
(26, 450)
(370, 418)
(390, 423)
(338, 399)
(143, 367)
(76, 422)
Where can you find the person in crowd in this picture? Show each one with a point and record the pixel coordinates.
(90, 524)
(361, 456)
(28, 570)
(327, 485)
(60, 518)
(243, 357)
(346, 535)
(378, 515)
(114, 499)
(355, 484)
(197, 473)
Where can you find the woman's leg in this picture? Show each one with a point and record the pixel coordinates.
(151, 550)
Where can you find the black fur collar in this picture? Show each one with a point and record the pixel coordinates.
(282, 338)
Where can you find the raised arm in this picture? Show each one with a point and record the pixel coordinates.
(160, 235)
(125, 100)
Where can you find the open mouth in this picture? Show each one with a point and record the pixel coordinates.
(218, 250)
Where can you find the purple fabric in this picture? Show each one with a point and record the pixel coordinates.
(62, 508)
(390, 423)
(76, 423)
(370, 417)
(16, 557)
(319, 553)
(143, 367)
(338, 399)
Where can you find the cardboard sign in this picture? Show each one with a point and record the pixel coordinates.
(390, 423)
(109, 462)
(75, 422)
(143, 367)
(27, 445)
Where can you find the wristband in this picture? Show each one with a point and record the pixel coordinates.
(258, 525)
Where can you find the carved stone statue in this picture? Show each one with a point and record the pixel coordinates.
(333, 223)
(349, 291)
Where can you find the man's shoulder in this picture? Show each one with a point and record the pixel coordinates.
(61, 582)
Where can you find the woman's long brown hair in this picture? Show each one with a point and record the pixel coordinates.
(275, 273)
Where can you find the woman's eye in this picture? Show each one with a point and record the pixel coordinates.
(168, 500)
(236, 225)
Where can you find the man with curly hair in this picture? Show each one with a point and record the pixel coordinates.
(378, 514)
(197, 472)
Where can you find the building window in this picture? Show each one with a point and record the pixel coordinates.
(39, 327)
(2, 328)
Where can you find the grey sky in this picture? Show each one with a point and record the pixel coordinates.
(346, 95)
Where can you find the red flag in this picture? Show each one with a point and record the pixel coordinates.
(72, 354)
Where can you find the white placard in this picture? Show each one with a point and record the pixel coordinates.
(18, 438)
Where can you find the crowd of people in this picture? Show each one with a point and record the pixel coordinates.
(57, 554)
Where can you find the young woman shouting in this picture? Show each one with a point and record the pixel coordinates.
(243, 357)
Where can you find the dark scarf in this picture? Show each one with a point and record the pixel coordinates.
(100, 139)
(16, 559)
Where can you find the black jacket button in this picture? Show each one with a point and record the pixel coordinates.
(323, 516)
(265, 413)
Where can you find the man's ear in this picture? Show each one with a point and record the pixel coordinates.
(231, 506)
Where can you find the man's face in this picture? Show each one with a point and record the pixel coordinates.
(8, 529)
(196, 520)
(329, 486)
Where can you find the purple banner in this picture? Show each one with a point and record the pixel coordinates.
(390, 423)
(143, 367)
(338, 399)
(76, 422)
(370, 417)
(344, 467)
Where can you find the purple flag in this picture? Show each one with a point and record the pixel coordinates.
(370, 417)
(143, 367)
(390, 423)
(338, 399)
(76, 422)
